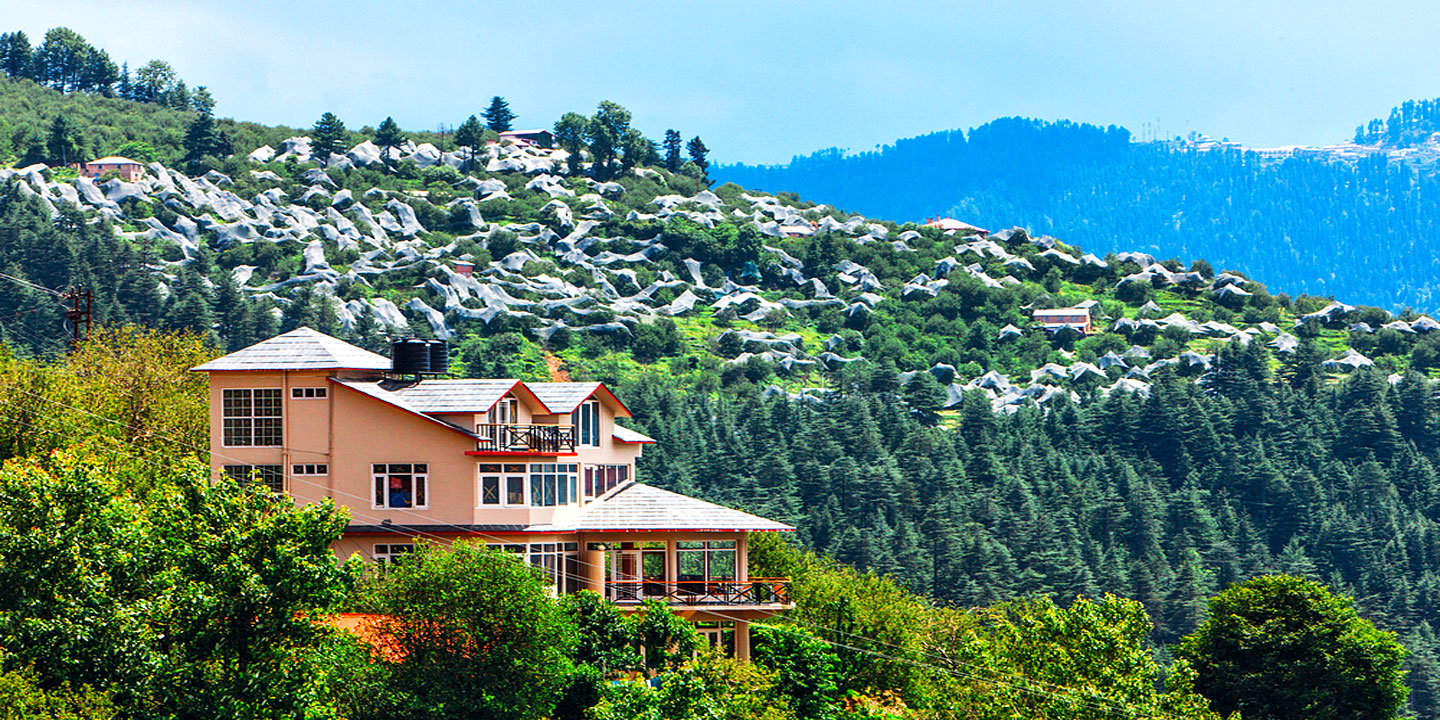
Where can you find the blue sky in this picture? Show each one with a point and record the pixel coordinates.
(762, 81)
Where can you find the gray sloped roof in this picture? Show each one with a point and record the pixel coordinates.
(454, 396)
(563, 397)
(299, 349)
(626, 435)
(642, 507)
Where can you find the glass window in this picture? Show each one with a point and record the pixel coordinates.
(490, 490)
(271, 475)
(600, 479)
(308, 469)
(390, 552)
(400, 485)
(307, 393)
(251, 418)
(514, 491)
(712, 561)
(586, 423)
(553, 484)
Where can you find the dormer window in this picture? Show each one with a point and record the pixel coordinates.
(504, 412)
(586, 423)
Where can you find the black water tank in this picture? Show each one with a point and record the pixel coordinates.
(439, 357)
(410, 356)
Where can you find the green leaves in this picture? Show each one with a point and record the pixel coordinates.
(1283, 647)
(202, 598)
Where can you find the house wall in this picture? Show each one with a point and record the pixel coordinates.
(349, 431)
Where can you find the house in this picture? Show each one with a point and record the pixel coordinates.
(539, 138)
(542, 470)
(1074, 318)
(129, 170)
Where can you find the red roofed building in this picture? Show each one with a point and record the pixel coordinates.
(127, 169)
(542, 470)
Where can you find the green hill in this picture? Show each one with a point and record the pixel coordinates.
(855, 377)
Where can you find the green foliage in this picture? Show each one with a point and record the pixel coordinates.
(498, 116)
(183, 593)
(21, 698)
(388, 137)
(470, 136)
(1284, 647)
(328, 137)
(477, 634)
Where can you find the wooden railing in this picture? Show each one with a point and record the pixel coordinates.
(525, 438)
(755, 591)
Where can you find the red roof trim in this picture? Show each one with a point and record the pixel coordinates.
(503, 453)
(402, 408)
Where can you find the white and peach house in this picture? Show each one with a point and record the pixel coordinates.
(542, 470)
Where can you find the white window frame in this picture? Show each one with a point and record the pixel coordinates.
(419, 485)
(566, 478)
(309, 393)
(507, 471)
(249, 417)
(506, 411)
(248, 472)
(386, 553)
(585, 420)
(593, 478)
(310, 469)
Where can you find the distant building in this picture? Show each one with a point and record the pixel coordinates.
(539, 138)
(803, 228)
(1074, 318)
(129, 170)
(948, 224)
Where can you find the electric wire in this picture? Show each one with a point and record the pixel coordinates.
(1092, 702)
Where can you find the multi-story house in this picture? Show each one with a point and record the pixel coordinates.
(542, 470)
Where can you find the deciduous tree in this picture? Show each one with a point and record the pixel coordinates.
(1279, 647)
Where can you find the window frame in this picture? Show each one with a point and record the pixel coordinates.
(273, 476)
(585, 424)
(309, 393)
(389, 555)
(555, 482)
(419, 485)
(245, 417)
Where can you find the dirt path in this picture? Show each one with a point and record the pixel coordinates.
(556, 373)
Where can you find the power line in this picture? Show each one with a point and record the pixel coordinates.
(1053, 692)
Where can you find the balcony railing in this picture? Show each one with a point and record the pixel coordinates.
(755, 591)
(525, 438)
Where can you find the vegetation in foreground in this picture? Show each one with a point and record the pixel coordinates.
(137, 586)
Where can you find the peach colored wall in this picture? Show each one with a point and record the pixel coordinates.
(350, 431)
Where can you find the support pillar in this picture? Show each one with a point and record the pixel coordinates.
(742, 640)
(592, 569)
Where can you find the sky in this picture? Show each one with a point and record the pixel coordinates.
(762, 81)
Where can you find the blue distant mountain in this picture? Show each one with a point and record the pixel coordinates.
(1359, 220)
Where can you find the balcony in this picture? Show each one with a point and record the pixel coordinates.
(755, 591)
(539, 439)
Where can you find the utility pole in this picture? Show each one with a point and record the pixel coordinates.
(78, 312)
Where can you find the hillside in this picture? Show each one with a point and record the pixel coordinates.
(1364, 230)
(879, 385)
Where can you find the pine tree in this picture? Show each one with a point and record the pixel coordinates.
(389, 137)
(674, 148)
(64, 144)
(329, 137)
(17, 58)
(699, 154)
(470, 136)
(498, 116)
